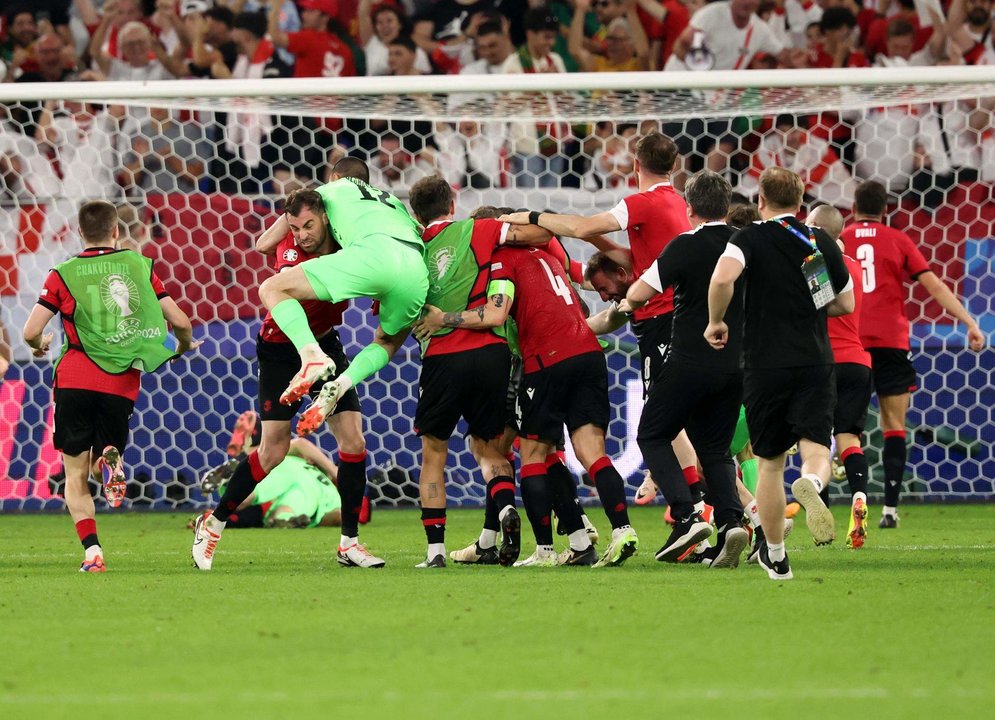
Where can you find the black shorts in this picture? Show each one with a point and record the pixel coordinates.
(573, 392)
(279, 362)
(785, 405)
(703, 401)
(511, 409)
(471, 384)
(893, 371)
(654, 336)
(853, 395)
(85, 419)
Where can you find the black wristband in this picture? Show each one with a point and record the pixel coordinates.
(534, 217)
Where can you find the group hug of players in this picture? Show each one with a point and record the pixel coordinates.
(507, 346)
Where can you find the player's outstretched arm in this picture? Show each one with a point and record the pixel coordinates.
(307, 450)
(639, 293)
(181, 325)
(577, 226)
(527, 235)
(271, 237)
(608, 320)
(948, 301)
(485, 317)
(34, 330)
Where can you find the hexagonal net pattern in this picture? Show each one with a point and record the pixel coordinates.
(196, 181)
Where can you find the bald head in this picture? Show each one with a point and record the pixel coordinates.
(828, 218)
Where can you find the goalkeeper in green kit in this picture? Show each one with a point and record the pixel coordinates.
(381, 257)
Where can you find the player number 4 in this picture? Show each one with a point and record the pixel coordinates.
(559, 287)
(865, 256)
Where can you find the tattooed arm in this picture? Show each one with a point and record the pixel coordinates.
(485, 317)
(527, 235)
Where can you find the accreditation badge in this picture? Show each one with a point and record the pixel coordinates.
(816, 275)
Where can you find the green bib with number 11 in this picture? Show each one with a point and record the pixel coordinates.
(118, 318)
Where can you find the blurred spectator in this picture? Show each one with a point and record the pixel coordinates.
(604, 11)
(18, 51)
(441, 30)
(51, 67)
(290, 19)
(613, 163)
(135, 53)
(900, 46)
(835, 48)
(724, 35)
(471, 153)
(395, 169)
(115, 15)
(378, 30)
(664, 22)
(84, 145)
(895, 143)
(134, 232)
(876, 40)
(213, 52)
(247, 155)
(493, 46)
(402, 56)
(789, 19)
(318, 52)
(50, 61)
(789, 146)
(167, 156)
(536, 158)
(969, 24)
(625, 47)
(28, 175)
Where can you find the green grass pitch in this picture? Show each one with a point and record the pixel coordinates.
(904, 628)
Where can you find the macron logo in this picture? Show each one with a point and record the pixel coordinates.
(530, 392)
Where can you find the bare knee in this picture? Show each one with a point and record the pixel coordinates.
(272, 452)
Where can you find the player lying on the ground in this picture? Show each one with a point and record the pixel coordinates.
(300, 492)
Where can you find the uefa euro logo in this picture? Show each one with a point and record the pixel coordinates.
(120, 295)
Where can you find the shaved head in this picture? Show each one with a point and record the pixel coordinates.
(828, 218)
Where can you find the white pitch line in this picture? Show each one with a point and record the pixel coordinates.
(530, 695)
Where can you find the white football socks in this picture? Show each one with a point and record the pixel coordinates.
(487, 539)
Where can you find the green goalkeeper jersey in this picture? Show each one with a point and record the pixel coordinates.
(357, 210)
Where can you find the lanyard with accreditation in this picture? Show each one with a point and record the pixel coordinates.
(814, 268)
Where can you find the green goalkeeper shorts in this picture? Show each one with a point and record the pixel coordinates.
(742, 435)
(378, 267)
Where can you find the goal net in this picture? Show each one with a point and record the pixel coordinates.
(198, 168)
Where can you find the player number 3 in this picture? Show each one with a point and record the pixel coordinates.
(865, 255)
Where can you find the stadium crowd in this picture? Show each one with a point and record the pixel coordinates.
(83, 151)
